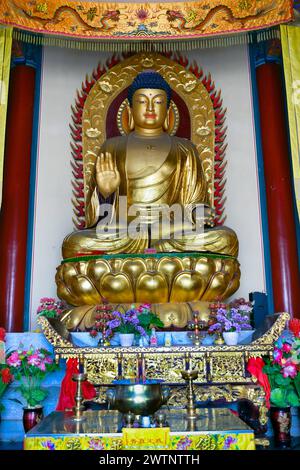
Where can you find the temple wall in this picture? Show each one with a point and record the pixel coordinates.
(63, 72)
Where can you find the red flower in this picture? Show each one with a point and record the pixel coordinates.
(142, 14)
(294, 327)
(6, 376)
(93, 333)
(2, 334)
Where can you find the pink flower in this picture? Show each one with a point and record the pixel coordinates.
(290, 370)
(286, 347)
(42, 366)
(277, 355)
(34, 360)
(14, 360)
(147, 306)
(45, 300)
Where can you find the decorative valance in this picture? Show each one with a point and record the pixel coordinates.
(220, 21)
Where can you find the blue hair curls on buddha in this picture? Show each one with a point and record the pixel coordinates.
(149, 79)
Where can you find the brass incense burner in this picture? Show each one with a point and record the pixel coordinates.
(140, 399)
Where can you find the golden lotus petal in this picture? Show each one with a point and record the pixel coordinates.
(186, 287)
(152, 288)
(117, 288)
(84, 289)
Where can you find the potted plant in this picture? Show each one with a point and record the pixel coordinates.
(50, 308)
(280, 377)
(229, 322)
(135, 321)
(30, 366)
(245, 308)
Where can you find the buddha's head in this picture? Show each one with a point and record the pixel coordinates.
(149, 97)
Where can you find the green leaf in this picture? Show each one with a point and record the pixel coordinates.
(280, 380)
(297, 384)
(293, 398)
(38, 394)
(278, 397)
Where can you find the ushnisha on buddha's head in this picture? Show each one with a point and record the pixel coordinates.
(149, 97)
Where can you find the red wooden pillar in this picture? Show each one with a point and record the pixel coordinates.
(282, 229)
(15, 197)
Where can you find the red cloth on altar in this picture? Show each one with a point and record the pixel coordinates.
(68, 388)
(255, 367)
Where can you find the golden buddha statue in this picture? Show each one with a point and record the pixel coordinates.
(153, 170)
(177, 260)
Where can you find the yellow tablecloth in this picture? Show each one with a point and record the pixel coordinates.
(215, 429)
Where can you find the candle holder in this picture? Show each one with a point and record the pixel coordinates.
(129, 419)
(79, 408)
(160, 418)
(196, 325)
(189, 376)
(219, 341)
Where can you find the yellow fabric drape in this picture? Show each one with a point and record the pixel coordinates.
(5, 54)
(290, 38)
(143, 21)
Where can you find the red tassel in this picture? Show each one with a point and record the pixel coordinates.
(68, 388)
(255, 367)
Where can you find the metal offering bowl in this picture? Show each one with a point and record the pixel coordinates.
(140, 399)
(189, 374)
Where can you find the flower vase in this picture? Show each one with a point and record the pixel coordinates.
(281, 423)
(126, 339)
(231, 337)
(32, 416)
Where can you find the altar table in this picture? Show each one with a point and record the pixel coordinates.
(214, 429)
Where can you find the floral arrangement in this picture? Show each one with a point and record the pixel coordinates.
(103, 314)
(50, 307)
(283, 370)
(230, 319)
(30, 368)
(5, 375)
(137, 320)
(242, 305)
(280, 375)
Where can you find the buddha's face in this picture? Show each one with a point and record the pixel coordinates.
(149, 108)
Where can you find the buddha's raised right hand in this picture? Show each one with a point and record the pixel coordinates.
(107, 174)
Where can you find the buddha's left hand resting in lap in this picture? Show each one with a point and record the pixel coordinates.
(153, 171)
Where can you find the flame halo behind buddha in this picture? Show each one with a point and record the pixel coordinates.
(152, 168)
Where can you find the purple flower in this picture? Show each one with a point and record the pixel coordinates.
(184, 443)
(228, 442)
(222, 311)
(48, 445)
(96, 444)
(141, 330)
(113, 324)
